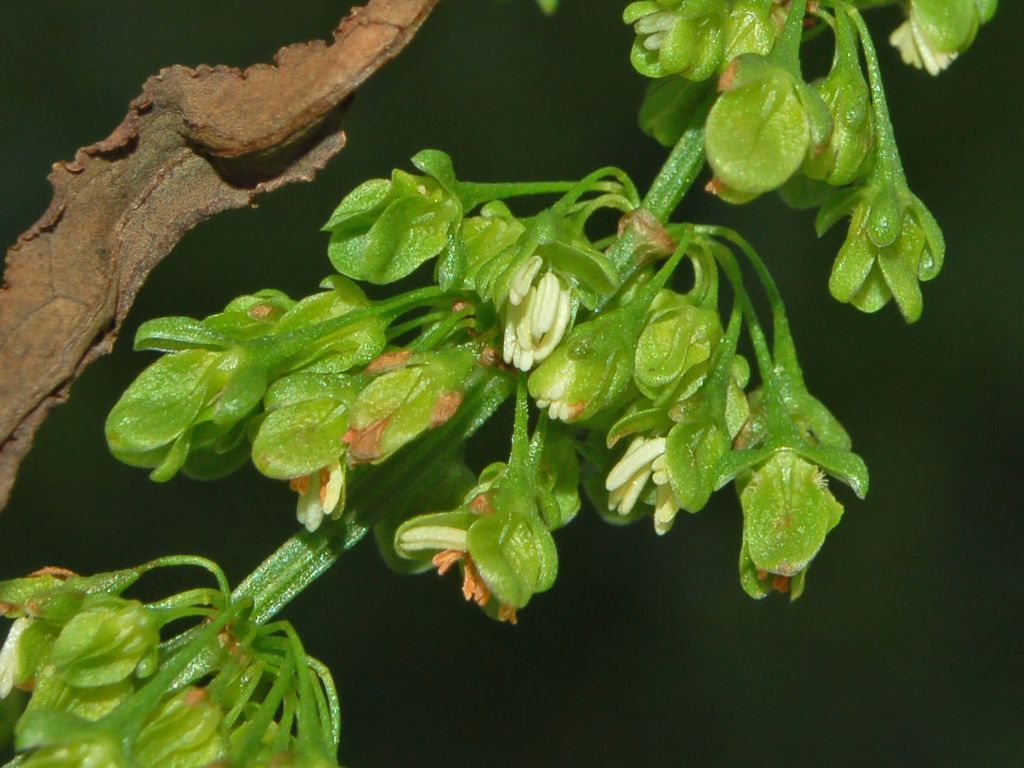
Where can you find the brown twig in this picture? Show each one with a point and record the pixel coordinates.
(195, 143)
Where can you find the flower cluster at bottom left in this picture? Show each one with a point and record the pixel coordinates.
(109, 685)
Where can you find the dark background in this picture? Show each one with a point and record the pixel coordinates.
(907, 647)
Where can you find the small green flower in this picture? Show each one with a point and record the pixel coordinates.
(498, 537)
(893, 244)
(937, 31)
(589, 370)
(764, 126)
(537, 274)
(684, 37)
(848, 155)
(787, 512)
(384, 229)
(87, 754)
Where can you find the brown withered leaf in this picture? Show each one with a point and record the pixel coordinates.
(195, 143)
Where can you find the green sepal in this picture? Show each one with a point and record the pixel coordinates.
(693, 450)
(52, 694)
(250, 317)
(105, 643)
(673, 105)
(160, 404)
(356, 344)
(401, 404)
(515, 555)
(559, 479)
(678, 336)
(383, 233)
(173, 334)
(301, 438)
(848, 154)
(759, 131)
(787, 512)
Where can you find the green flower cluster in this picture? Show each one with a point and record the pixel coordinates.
(828, 143)
(608, 350)
(106, 689)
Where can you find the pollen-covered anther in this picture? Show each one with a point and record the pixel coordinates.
(537, 316)
(260, 311)
(54, 570)
(728, 78)
(444, 561)
(445, 407)
(508, 613)
(715, 186)
(195, 697)
(781, 583)
(364, 444)
(481, 504)
(473, 586)
(389, 361)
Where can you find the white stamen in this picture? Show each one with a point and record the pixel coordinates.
(641, 453)
(661, 21)
(653, 42)
(9, 656)
(915, 50)
(429, 537)
(523, 279)
(665, 510)
(557, 329)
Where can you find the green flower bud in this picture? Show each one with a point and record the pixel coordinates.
(302, 440)
(185, 732)
(848, 154)
(937, 31)
(684, 37)
(383, 230)
(893, 244)
(416, 392)
(787, 512)
(105, 643)
(762, 128)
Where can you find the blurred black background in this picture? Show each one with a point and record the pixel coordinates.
(907, 647)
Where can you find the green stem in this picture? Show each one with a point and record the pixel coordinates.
(782, 339)
(888, 153)
(520, 456)
(732, 271)
(474, 193)
(786, 52)
(667, 190)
